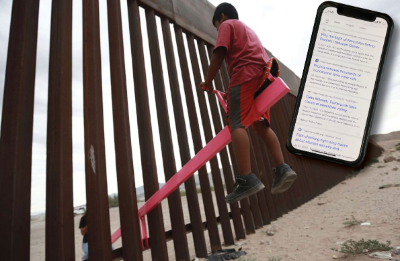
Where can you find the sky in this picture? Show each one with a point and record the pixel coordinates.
(284, 27)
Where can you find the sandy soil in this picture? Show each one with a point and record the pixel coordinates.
(309, 232)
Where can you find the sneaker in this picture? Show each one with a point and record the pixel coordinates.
(245, 186)
(284, 177)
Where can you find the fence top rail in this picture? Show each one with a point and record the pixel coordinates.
(192, 16)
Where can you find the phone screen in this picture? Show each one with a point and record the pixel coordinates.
(336, 98)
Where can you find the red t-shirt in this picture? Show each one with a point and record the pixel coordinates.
(245, 55)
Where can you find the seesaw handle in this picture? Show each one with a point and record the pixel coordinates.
(220, 98)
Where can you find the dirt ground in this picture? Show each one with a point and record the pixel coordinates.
(309, 232)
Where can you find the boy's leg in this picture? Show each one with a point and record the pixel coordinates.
(284, 175)
(247, 182)
(241, 147)
(241, 111)
(270, 140)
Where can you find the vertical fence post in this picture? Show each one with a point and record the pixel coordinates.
(226, 167)
(98, 219)
(130, 230)
(305, 177)
(255, 209)
(212, 101)
(264, 215)
(280, 205)
(244, 203)
(174, 200)
(261, 175)
(264, 178)
(194, 126)
(16, 132)
(275, 120)
(180, 124)
(60, 240)
(155, 218)
(296, 190)
(215, 171)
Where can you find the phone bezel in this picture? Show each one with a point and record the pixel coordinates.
(368, 124)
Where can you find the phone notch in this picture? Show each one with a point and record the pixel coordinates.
(356, 13)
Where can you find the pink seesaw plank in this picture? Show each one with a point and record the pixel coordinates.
(264, 101)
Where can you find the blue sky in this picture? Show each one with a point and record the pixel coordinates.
(284, 28)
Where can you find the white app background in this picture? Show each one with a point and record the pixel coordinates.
(337, 95)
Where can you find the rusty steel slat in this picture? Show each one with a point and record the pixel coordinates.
(343, 172)
(300, 187)
(264, 179)
(269, 177)
(226, 168)
(194, 126)
(249, 223)
(317, 177)
(150, 179)
(174, 200)
(244, 203)
(320, 180)
(215, 171)
(130, 230)
(309, 179)
(98, 219)
(280, 197)
(335, 178)
(253, 200)
(16, 132)
(276, 198)
(285, 198)
(225, 75)
(279, 121)
(190, 185)
(304, 174)
(293, 193)
(328, 179)
(262, 162)
(306, 168)
(60, 240)
(265, 218)
(218, 84)
(310, 167)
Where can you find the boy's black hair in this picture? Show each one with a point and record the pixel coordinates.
(227, 9)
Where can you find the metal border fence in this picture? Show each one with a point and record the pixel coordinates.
(191, 20)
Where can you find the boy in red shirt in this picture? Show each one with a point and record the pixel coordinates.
(247, 62)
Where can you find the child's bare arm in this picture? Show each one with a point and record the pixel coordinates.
(216, 62)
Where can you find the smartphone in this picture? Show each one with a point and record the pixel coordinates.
(340, 82)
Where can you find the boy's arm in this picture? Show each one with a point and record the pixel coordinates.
(83, 230)
(216, 62)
